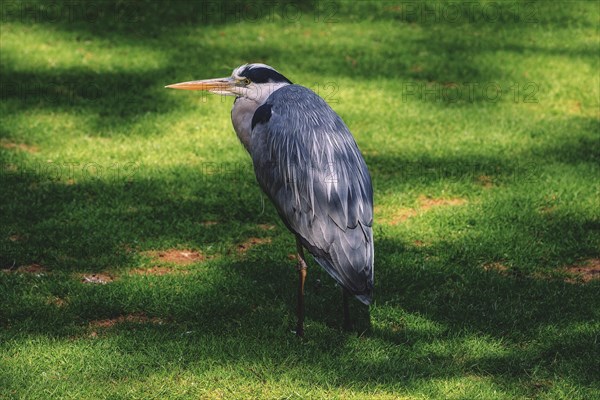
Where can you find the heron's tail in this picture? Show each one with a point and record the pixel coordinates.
(365, 296)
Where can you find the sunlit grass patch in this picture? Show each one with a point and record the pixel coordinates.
(139, 258)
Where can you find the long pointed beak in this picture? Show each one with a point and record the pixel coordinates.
(211, 85)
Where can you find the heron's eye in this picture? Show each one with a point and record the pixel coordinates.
(246, 81)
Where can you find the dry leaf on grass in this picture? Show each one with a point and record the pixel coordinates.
(97, 279)
(586, 271)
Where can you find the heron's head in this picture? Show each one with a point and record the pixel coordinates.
(252, 81)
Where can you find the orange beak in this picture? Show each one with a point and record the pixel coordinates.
(218, 85)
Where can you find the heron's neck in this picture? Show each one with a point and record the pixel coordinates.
(243, 111)
(241, 116)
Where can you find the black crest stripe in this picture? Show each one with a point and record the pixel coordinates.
(262, 115)
(263, 75)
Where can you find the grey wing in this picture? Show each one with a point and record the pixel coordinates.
(308, 163)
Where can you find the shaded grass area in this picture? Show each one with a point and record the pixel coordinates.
(482, 137)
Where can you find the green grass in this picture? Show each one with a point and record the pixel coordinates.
(483, 199)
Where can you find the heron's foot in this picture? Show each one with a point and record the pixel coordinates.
(299, 331)
(346, 309)
(348, 327)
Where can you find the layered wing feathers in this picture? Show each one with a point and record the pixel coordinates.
(309, 165)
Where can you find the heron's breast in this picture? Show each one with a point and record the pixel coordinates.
(241, 117)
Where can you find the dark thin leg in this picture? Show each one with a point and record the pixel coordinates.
(347, 322)
(302, 277)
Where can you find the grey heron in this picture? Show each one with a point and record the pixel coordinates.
(308, 164)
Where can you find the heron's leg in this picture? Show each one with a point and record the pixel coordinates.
(301, 267)
(347, 322)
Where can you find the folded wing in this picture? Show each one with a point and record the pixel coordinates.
(308, 163)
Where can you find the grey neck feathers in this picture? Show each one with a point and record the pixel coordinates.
(241, 116)
(244, 108)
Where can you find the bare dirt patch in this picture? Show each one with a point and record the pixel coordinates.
(266, 227)
(402, 215)
(15, 238)
(176, 256)
(586, 271)
(5, 144)
(485, 181)
(34, 269)
(583, 272)
(97, 279)
(547, 209)
(251, 242)
(136, 318)
(496, 267)
(425, 203)
(208, 223)
(56, 301)
(156, 271)
(574, 107)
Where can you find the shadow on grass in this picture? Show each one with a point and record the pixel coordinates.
(395, 172)
(116, 100)
(435, 58)
(239, 310)
(90, 225)
(118, 95)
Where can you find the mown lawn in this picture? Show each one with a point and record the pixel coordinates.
(140, 259)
